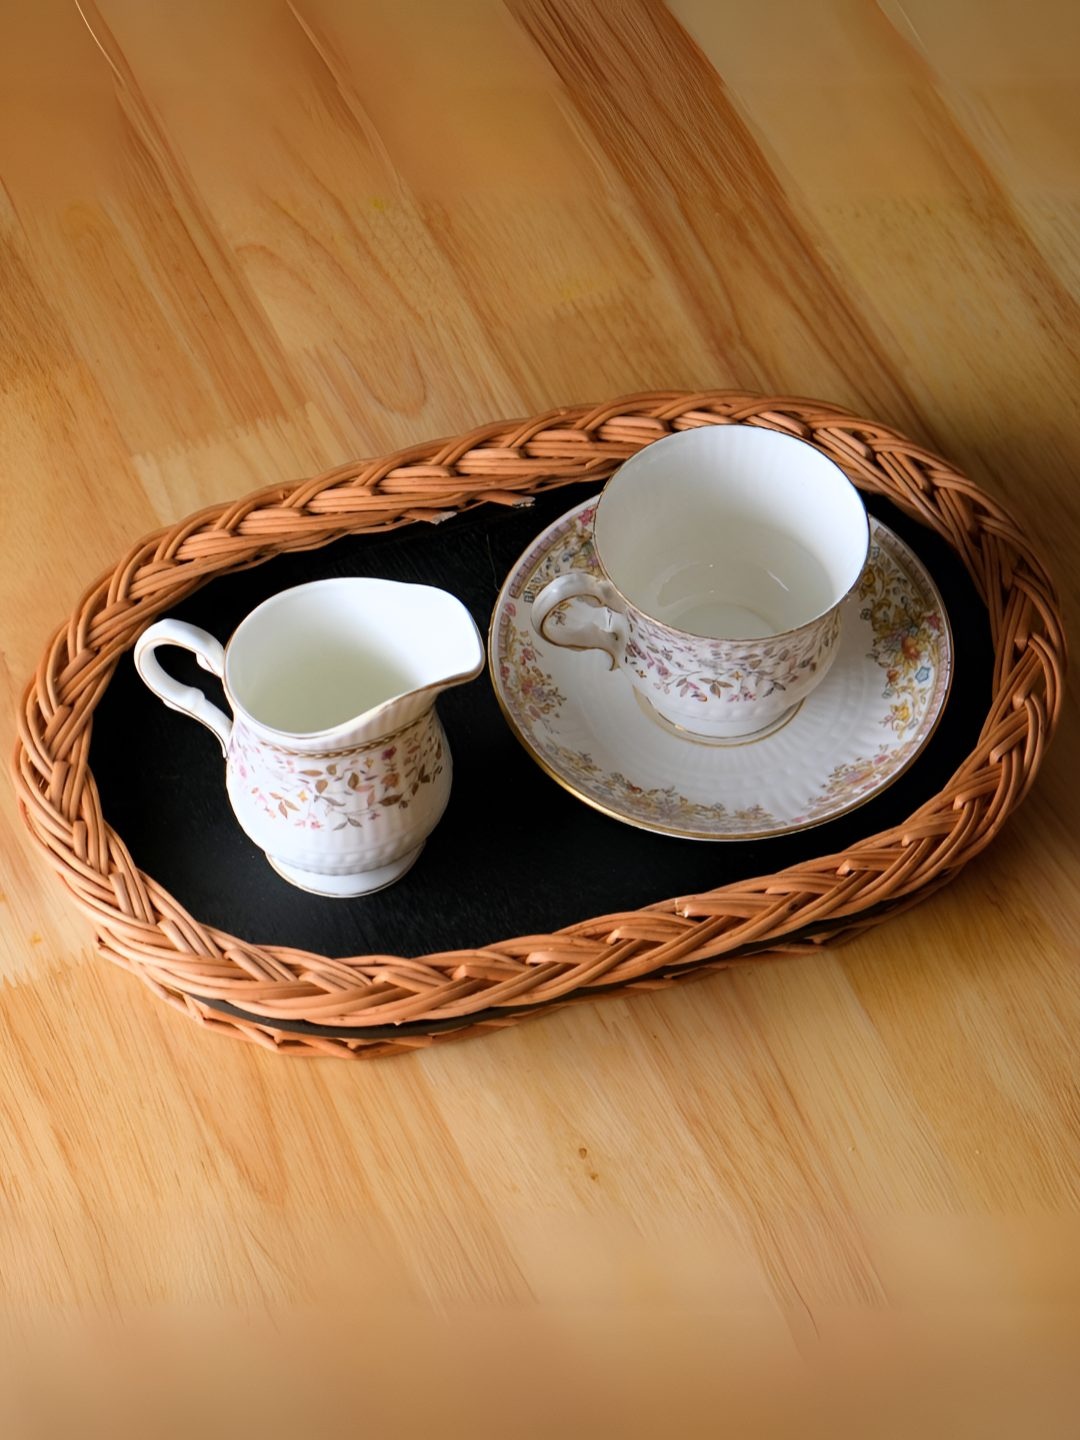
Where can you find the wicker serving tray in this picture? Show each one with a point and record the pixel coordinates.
(379, 1004)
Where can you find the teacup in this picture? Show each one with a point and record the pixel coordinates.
(725, 554)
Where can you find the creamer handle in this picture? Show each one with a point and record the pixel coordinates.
(185, 698)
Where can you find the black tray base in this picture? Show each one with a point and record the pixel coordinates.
(514, 854)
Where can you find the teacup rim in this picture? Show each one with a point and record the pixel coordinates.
(733, 639)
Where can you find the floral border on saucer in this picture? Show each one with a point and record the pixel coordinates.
(660, 805)
(910, 633)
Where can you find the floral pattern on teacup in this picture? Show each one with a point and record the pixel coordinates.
(731, 673)
(354, 787)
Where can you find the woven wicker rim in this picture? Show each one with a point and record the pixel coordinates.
(384, 1004)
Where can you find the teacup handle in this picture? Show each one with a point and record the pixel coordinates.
(583, 631)
(185, 698)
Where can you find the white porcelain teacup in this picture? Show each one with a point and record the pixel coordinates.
(725, 553)
(337, 763)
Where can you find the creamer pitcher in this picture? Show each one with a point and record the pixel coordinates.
(337, 763)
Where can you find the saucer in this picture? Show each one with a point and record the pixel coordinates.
(855, 735)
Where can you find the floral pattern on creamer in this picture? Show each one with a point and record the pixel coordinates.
(730, 672)
(354, 787)
(664, 805)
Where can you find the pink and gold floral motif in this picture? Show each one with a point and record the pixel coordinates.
(854, 780)
(535, 691)
(347, 788)
(731, 674)
(908, 629)
(569, 546)
(909, 643)
(664, 805)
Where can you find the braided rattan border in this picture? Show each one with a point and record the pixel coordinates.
(359, 1004)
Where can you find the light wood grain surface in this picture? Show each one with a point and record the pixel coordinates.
(242, 242)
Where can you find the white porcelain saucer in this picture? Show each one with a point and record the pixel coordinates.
(855, 735)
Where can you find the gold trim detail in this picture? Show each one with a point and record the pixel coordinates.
(716, 742)
(360, 748)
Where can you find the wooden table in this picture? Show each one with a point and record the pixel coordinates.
(245, 241)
